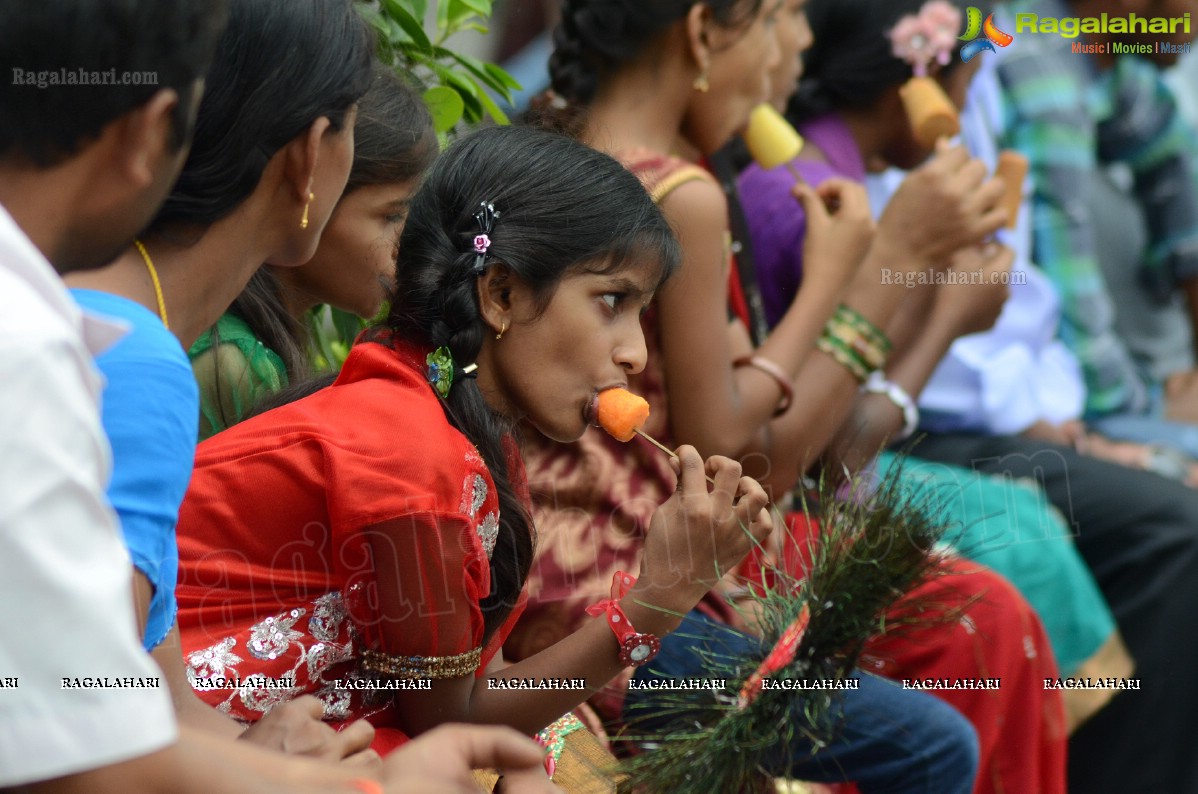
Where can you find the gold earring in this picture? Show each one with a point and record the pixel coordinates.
(304, 219)
(502, 330)
(701, 84)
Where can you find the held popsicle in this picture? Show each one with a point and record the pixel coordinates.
(622, 413)
(1012, 168)
(932, 114)
(770, 138)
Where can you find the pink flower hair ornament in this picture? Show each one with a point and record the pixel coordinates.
(926, 37)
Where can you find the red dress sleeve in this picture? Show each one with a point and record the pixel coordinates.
(417, 607)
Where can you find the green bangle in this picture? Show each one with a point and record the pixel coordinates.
(858, 321)
(843, 355)
(871, 355)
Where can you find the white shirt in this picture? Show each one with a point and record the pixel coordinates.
(66, 603)
(1004, 380)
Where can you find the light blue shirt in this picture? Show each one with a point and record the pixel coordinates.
(150, 411)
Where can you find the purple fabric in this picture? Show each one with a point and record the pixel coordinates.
(777, 223)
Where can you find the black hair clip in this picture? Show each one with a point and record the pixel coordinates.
(486, 217)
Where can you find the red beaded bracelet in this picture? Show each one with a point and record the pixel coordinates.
(774, 371)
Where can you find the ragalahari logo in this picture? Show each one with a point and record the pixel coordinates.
(991, 36)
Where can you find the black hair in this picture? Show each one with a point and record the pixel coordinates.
(595, 37)
(278, 68)
(851, 65)
(564, 209)
(85, 63)
(394, 142)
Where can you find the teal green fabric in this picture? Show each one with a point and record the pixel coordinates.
(1010, 527)
(234, 375)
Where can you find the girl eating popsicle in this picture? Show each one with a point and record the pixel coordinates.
(369, 544)
(702, 67)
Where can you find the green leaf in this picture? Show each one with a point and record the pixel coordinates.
(445, 105)
(458, 13)
(419, 8)
(480, 7)
(413, 27)
(473, 108)
(491, 108)
(502, 76)
(478, 69)
(465, 86)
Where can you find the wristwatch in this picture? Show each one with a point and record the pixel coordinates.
(636, 647)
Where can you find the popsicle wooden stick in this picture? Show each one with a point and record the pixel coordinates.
(662, 447)
(621, 413)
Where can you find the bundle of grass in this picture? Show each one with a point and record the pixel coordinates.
(869, 551)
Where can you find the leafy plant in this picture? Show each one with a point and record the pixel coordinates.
(457, 87)
(457, 90)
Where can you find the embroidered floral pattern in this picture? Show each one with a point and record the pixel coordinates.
(488, 532)
(328, 615)
(257, 697)
(251, 694)
(271, 637)
(474, 493)
(213, 660)
(322, 656)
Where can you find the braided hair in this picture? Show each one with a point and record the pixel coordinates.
(563, 209)
(596, 37)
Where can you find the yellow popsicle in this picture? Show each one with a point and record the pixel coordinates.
(770, 138)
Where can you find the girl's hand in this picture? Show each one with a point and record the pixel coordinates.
(840, 229)
(973, 298)
(442, 759)
(296, 727)
(945, 205)
(698, 535)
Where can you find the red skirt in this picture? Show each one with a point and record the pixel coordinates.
(1021, 726)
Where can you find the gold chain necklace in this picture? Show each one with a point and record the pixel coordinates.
(145, 255)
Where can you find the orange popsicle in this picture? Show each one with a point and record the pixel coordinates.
(621, 413)
(1012, 167)
(932, 114)
(770, 138)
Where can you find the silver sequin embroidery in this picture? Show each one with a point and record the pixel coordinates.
(212, 661)
(271, 637)
(488, 532)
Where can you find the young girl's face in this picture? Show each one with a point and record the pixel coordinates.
(794, 38)
(739, 78)
(354, 267)
(550, 368)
